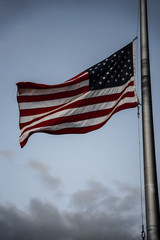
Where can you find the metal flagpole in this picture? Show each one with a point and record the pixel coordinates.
(150, 174)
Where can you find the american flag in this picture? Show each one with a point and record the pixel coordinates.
(82, 104)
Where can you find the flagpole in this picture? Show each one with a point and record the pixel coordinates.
(150, 173)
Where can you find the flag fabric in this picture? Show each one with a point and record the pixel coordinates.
(82, 104)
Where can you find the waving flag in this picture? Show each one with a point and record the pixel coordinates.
(81, 104)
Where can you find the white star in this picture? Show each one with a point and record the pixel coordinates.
(129, 60)
(125, 65)
(121, 70)
(122, 51)
(106, 59)
(100, 82)
(104, 63)
(107, 73)
(126, 73)
(108, 81)
(93, 71)
(101, 69)
(114, 55)
(115, 80)
(123, 79)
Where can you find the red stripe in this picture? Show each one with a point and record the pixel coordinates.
(60, 95)
(79, 78)
(74, 118)
(83, 129)
(85, 102)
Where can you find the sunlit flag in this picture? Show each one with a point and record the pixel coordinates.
(83, 103)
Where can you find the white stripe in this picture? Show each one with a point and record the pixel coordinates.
(35, 92)
(30, 118)
(78, 124)
(57, 102)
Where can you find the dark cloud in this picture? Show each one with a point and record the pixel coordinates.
(43, 173)
(12, 11)
(43, 221)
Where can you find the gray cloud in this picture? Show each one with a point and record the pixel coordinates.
(38, 166)
(43, 221)
(43, 173)
(96, 194)
(7, 154)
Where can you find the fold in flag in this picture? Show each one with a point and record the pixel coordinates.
(83, 103)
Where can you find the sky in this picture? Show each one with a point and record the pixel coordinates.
(71, 187)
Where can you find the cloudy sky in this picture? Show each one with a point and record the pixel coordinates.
(70, 187)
